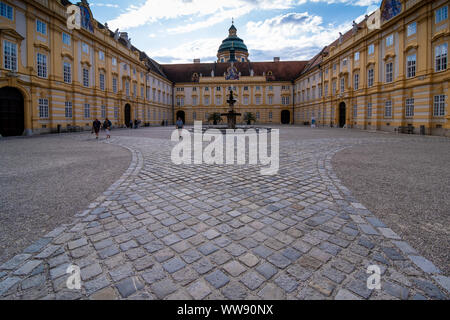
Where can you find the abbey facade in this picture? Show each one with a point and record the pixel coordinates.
(388, 72)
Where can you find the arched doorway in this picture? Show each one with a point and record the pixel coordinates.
(12, 114)
(182, 115)
(127, 114)
(342, 115)
(285, 117)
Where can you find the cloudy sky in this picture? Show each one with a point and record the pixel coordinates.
(177, 31)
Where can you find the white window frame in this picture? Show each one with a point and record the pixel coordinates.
(6, 11)
(103, 112)
(370, 77)
(411, 62)
(66, 39)
(68, 109)
(41, 63)
(87, 111)
(114, 84)
(389, 76)
(86, 80)
(10, 55)
(389, 40)
(85, 48)
(356, 81)
(67, 70)
(41, 27)
(409, 107)
(369, 110)
(411, 29)
(371, 49)
(441, 14)
(356, 56)
(43, 108)
(439, 106)
(102, 81)
(114, 61)
(441, 57)
(101, 55)
(388, 109)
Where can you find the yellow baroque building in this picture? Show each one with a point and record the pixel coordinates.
(389, 72)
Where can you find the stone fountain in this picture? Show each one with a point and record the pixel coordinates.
(231, 115)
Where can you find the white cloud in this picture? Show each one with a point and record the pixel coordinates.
(216, 11)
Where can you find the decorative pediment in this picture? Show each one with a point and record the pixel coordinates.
(67, 55)
(12, 33)
(389, 56)
(411, 47)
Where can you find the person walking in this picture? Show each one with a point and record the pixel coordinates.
(107, 126)
(180, 126)
(96, 125)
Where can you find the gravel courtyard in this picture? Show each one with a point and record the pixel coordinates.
(46, 180)
(157, 230)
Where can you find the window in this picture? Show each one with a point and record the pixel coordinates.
(114, 84)
(258, 88)
(114, 61)
(270, 88)
(411, 66)
(356, 81)
(6, 11)
(334, 87)
(125, 67)
(355, 111)
(207, 101)
(270, 115)
(68, 109)
(270, 100)
(246, 100)
(371, 49)
(41, 27)
(319, 89)
(285, 100)
(388, 109)
(147, 93)
(67, 72)
(142, 92)
(10, 55)
(127, 88)
(85, 48)
(218, 101)
(342, 85)
(103, 112)
(258, 100)
(344, 63)
(369, 110)
(334, 67)
(356, 56)
(218, 88)
(206, 88)
(102, 82)
(42, 65)
(441, 57)
(411, 29)
(86, 77)
(326, 89)
(409, 107)
(66, 39)
(180, 101)
(116, 113)
(389, 71)
(258, 116)
(390, 40)
(134, 90)
(441, 14)
(87, 111)
(439, 106)
(194, 101)
(101, 55)
(194, 89)
(370, 78)
(134, 71)
(43, 108)
(245, 88)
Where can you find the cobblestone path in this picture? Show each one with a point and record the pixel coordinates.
(224, 232)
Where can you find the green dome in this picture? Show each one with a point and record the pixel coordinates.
(233, 42)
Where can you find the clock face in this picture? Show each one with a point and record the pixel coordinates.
(391, 8)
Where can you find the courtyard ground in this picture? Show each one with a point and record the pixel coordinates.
(163, 231)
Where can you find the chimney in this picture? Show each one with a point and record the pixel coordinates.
(276, 59)
(196, 60)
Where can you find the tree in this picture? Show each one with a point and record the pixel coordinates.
(215, 118)
(249, 118)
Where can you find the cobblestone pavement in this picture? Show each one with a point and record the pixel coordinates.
(225, 232)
